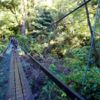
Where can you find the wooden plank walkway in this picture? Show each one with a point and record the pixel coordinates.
(18, 85)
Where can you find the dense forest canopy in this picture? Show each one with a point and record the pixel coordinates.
(33, 23)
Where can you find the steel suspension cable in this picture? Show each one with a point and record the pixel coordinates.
(56, 22)
(66, 15)
(92, 46)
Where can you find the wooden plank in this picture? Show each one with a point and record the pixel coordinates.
(11, 91)
(18, 85)
(25, 85)
(19, 93)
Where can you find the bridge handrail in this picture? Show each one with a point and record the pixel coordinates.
(72, 94)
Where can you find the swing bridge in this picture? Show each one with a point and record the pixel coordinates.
(19, 89)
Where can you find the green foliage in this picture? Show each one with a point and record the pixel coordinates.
(36, 48)
(81, 53)
(73, 64)
(94, 2)
(92, 87)
(3, 45)
(42, 21)
(51, 91)
(24, 42)
(52, 68)
(75, 78)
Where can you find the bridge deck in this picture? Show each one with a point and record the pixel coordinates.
(18, 85)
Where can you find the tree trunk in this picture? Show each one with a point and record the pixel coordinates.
(24, 15)
(23, 28)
